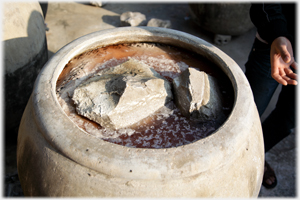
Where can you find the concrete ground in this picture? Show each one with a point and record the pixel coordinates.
(68, 21)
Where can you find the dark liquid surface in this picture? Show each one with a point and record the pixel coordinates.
(165, 128)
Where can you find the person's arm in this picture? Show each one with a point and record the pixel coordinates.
(272, 27)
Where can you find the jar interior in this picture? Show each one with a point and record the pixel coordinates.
(167, 127)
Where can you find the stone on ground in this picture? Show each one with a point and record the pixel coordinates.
(98, 3)
(120, 96)
(197, 95)
(133, 19)
(159, 23)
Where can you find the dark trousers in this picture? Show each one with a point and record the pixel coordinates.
(281, 121)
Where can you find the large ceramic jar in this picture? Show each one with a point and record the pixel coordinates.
(25, 53)
(56, 158)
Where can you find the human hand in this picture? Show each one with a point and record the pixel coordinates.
(281, 59)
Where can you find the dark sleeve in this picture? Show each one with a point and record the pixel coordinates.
(269, 21)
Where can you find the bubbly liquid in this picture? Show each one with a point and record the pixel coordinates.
(165, 128)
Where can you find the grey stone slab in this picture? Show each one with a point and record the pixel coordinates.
(123, 95)
(197, 95)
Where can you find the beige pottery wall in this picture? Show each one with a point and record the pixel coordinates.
(24, 54)
(56, 158)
